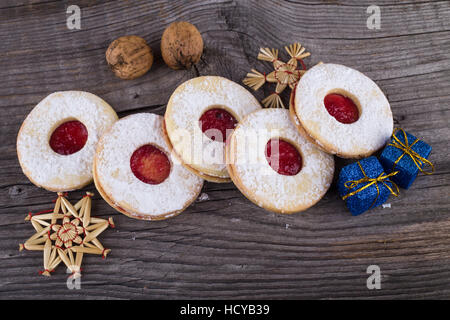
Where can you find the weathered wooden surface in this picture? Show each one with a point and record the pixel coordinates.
(227, 247)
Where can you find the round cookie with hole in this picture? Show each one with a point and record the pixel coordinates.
(296, 122)
(135, 173)
(57, 141)
(274, 166)
(342, 110)
(200, 115)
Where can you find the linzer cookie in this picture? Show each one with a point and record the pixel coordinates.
(135, 174)
(200, 115)
(57, 140)
(342, 111)
(274, 166)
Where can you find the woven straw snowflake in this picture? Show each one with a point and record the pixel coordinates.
(65, 233)
(285, 74)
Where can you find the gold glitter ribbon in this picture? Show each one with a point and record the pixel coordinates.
(418, 160)
(371, 181)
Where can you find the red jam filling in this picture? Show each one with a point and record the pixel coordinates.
(69, 137)
(343, 109)
(217, 120)
(286, 160)
(149, 164)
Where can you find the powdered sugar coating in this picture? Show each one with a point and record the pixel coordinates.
(40, 163)
(187, 104)
(369, 133)
(113, 171)
(259, 182)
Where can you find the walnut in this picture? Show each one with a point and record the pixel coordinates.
(129, 57)
(181, 45)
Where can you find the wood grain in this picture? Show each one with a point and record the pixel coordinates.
(226, 247)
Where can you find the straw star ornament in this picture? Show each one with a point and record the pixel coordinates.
(66, 233)
(285, 74)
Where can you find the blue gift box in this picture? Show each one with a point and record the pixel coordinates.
(364, 185)
(407, 155)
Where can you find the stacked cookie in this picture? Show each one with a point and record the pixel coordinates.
(135, 173)
(342, 111)
(57, 141)
(278, 169)
(200, 115)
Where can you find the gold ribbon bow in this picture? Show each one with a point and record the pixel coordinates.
(370, 181)
(418, 160)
